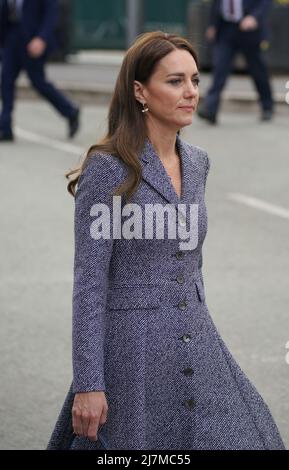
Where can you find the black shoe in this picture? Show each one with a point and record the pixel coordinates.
(73, 123)
(6, 136)
(267, 115)
(203, 113)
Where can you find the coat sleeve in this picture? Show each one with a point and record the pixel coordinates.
(260, 10)
(214, 13)
(91, 267)
(50, 17)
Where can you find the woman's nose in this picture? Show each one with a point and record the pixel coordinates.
(191, 89)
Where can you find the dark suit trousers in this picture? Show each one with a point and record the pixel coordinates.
(224, 52)
(14, 59)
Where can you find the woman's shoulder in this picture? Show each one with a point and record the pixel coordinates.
(104, 166)
(101, 169)
(198, 155)
(104, 162)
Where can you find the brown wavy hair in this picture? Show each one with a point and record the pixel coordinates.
(126, 123)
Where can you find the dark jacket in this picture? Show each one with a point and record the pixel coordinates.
(257, 8)
(39, 18)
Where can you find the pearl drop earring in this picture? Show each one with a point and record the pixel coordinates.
(145, 109)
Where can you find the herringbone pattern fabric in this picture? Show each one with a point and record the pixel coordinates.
(143, 333)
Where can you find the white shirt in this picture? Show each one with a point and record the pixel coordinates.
(232, 10)
(19, 5)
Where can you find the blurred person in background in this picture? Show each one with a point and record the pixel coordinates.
(27, 38)
(238, 25)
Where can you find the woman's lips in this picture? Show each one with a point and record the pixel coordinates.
(187, 108)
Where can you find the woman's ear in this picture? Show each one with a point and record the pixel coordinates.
(138, 91)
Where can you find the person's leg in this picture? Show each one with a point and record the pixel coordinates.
(36, 73)
(223, 55)
(258, 70)
(11, 66)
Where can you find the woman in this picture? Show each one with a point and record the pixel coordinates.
(150, 369)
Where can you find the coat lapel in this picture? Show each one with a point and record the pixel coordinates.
(155, 174)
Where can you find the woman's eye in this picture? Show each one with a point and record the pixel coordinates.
(196, 81)
(174, 82)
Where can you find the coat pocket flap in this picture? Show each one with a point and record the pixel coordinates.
(133, 298)
(200, 290)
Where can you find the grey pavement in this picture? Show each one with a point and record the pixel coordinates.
(246, 262)
(94, 74)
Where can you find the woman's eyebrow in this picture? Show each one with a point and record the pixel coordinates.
(181, 74)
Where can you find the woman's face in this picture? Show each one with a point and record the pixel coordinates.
(172, 92)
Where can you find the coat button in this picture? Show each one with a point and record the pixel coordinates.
(189, 404)
(183, 305)
(182, 220)
(186, 338)
(180, 254)
(180, 279)
(188, 372)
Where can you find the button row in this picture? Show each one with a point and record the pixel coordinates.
(190, 403)
(180, 255)
(188, 372)
(186, 338)
(180, 279)
(182, 219)
(183, 305)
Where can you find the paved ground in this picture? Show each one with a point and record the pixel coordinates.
(246, 263)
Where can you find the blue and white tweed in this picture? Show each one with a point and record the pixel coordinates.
(143, 333)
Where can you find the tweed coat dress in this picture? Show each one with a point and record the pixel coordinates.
(142, 331)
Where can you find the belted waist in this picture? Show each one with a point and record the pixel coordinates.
(175, 293)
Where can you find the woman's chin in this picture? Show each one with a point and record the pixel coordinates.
(186, 122)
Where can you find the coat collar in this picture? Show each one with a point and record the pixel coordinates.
(154, 172)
